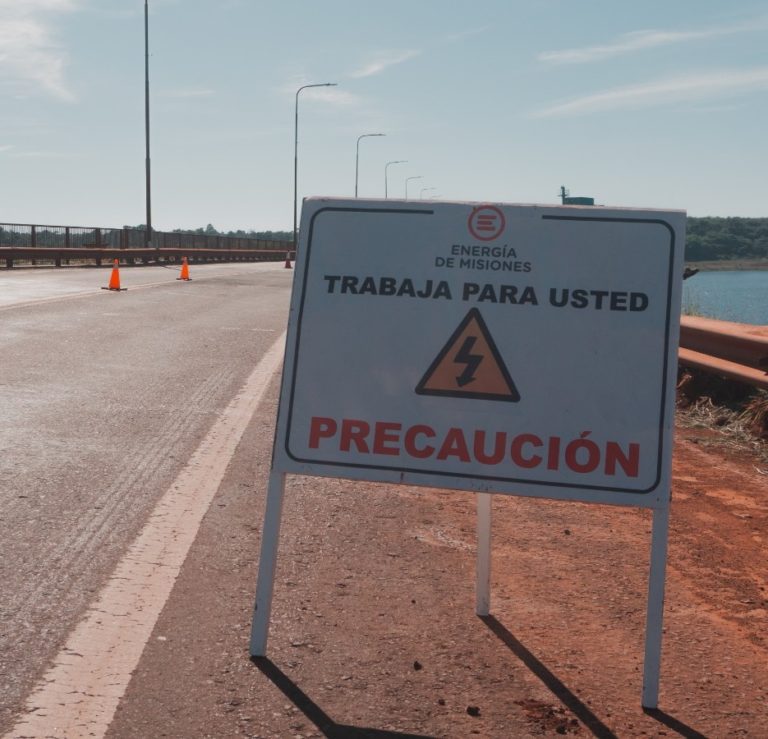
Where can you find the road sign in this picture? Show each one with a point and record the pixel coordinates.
(514, 349)
(469, 366)
(495, 348)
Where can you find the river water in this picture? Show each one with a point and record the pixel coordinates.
(740, 296)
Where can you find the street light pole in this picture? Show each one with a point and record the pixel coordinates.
(386, 166)
(296, 153)
(357, 154)
(148, 232)
(407, 180)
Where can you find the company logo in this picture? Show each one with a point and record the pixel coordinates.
(486, 222)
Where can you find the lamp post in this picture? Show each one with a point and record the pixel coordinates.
(407, 180)
(296, 152)
(357, 154)
(424, 189)
(148, 232)
(386, 166)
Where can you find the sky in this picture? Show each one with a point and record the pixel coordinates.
(658, 104)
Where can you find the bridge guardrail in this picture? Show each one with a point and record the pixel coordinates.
(57, 256)
(38, 237)
(737, 351)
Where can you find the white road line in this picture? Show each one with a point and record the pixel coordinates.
(78, 696)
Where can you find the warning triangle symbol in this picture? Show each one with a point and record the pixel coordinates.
(469, 366)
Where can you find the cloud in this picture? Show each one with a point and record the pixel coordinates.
(384, 61)
(6, 147)
(28, 51)
(329, 95)
(33, 6)
(672, 90)
(640, 40)
(333, 96)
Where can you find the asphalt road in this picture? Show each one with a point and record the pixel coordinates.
(103, 398)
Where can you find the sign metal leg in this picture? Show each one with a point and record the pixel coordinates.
(483, 586)
(653, 627)
(270, 537)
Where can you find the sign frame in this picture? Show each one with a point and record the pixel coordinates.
(656, 497)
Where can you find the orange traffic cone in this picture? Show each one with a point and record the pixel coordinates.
(184, 270)
(288, 260)
(114, 280)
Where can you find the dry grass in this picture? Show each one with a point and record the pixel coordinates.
(737, 415)
(756, 416)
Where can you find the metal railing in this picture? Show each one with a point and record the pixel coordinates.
(43, 244)
(65, 237)
(734, 350)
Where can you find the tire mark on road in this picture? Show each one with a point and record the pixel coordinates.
(80, 693)
(65, 563)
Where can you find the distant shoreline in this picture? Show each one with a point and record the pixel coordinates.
(730, 265)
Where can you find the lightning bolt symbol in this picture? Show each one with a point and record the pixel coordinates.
(464, 356)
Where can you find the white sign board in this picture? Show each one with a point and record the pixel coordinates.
(496, 348)
(512, 349)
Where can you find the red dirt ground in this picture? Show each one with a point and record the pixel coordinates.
(374, 632)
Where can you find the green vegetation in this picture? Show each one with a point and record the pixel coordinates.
(210, 230)
(724, 239)
(708, 239)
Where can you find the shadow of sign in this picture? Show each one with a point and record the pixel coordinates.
(674, 724)
(560, 690)
(315, 714)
